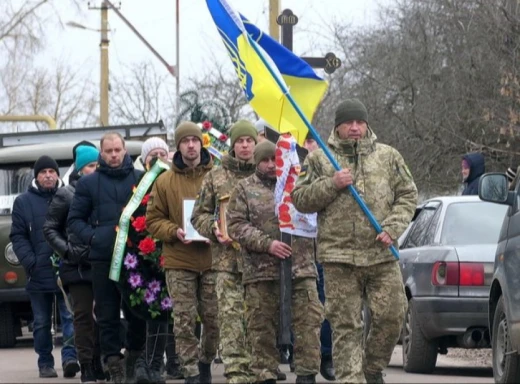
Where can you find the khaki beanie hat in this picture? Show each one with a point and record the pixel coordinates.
(242, 128)
(264, 150)
(349, 110)
(185, 129)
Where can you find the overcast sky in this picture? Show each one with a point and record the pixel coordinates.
(155, 19)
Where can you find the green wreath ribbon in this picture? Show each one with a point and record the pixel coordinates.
(124, 221)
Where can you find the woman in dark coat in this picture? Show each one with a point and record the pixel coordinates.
(74, 267)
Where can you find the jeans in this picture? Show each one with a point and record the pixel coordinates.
(326, 332)
(42, 307)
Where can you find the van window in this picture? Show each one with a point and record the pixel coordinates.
(15, 179)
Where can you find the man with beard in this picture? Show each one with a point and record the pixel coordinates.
(216, 189)
(191, 283)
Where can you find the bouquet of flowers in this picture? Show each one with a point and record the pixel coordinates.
(142, 281)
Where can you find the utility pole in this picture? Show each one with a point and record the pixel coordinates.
(274, 11)
(104, 85)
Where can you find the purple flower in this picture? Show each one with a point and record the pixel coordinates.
(130, 261)
(135, 280)
(166, 303)
(154, 286)
(149, 297)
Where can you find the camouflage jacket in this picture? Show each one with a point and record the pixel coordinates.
(383, 181)
(253, 223)
(218, 185)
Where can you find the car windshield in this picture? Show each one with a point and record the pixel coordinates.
(472, 223)
(15, 179)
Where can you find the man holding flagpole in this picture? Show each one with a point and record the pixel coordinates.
(355, 257)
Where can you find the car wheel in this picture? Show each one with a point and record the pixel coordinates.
(7, 327)
(506, 365)
(419, 353)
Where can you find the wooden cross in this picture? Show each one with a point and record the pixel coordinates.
(287, 20)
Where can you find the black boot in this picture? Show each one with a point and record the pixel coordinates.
(327, 368)
(130, 362)
(374, 377)
(205, 372)
(280, 376)
(155, 347)
(99, 372)
(193, 380)
(87, 373)
(141, 370)
(309, 379)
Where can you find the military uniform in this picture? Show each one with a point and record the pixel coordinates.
(190, 281)
(217, 185)
(253, 223)
(353, 260)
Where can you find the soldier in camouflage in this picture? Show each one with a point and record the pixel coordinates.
(216, 189)
(356, 260)
(252, 222)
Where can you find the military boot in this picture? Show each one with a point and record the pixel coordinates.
(374, 377)
(327, 368)
(141, 370)
(193, 380)
(309, 379)
(205, 372)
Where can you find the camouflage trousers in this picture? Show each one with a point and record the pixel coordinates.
(347, 287)
(235, 353)
(193, 295)
(263, 319)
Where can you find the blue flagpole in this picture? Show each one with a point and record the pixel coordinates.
(321, 143)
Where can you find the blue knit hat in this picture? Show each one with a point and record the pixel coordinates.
(85, 154)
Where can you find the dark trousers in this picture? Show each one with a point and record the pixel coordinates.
(326, 331)
(42, 306)
(107, 308)
(86, 335)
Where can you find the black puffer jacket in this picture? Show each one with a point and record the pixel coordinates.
(98, 202)
(74, 265)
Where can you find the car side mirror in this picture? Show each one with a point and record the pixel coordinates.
(494, 188)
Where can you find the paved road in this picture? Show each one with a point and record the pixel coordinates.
(18, 365)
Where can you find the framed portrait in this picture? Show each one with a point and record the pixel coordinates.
(187, 210)
(223, 204)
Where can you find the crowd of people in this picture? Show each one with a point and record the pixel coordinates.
(217, 293)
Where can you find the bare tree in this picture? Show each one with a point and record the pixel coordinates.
(439, 78)
(141, 95)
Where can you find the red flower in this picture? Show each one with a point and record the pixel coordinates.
(139, 224)
(147, 245)
(206, 125)
(161, 261)
(222, 137)
(145, 199)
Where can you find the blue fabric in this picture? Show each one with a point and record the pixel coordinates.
(29, 244)
(326, 331)
(85, 154)
(477, 168)
(42, 307)
(97, 205)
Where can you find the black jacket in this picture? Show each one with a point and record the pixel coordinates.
(74, 265)
(29, 245)
(477, 168)
(97, 206)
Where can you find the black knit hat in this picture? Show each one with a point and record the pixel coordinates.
(349, 110)
(45, 162)
(83, 142)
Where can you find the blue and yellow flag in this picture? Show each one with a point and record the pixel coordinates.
(267, 71)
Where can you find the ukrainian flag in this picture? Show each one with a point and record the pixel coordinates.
(267, 71)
